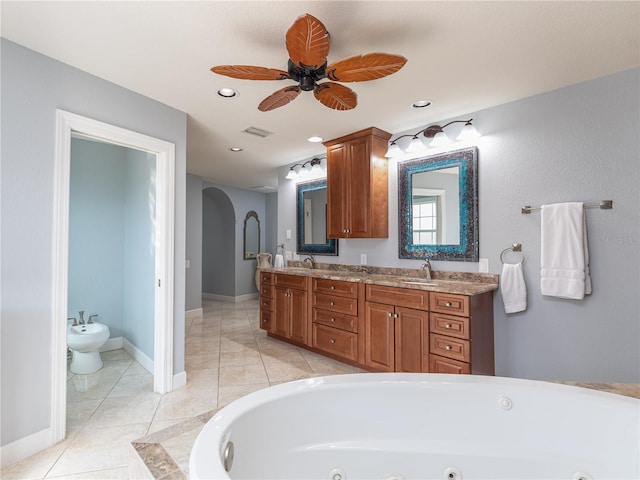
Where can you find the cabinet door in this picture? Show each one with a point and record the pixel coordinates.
(379, 337)
(298, 309)
(358, 195)
(282, 324)
(337, 173)
(409, 328)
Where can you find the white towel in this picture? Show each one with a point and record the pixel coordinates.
(513, 288)
(279, 262)
(564, 259)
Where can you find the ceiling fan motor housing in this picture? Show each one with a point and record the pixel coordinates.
(306, 76)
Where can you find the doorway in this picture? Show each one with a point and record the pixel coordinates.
(163, 239)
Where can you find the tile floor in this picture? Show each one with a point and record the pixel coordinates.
(226, 356)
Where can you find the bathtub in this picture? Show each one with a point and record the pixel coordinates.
(395, 426)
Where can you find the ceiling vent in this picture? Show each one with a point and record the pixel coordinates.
(257, 131)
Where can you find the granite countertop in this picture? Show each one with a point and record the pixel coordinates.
(462, 283)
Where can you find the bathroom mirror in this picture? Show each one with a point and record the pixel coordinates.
(438, 206)
(312, 219)
(251, 235)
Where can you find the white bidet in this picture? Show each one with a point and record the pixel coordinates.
(85, 341)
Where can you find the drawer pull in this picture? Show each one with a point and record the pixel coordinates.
(331, 303)
(332, 287)
(332, 340)
(264, 321)
(447, 304)
(447, 347)
(333, 319)
(447, 325)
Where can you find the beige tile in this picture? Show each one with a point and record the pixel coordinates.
(97, 449)
(116, 356)
(285, 372)
(279, 355)
(242, 375)
(235, 344)
(113, 411)
(36, 466)
(133, 385)
(79, 412)
(185, 403)
(179, 447)
(202, 347)
(136, 369)
(226, 395)
(242, 357)
(201, 362)
(121, 473)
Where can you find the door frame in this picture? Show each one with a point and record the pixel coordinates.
(164, 151)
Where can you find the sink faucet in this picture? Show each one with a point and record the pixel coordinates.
(81, 321)
(426, 268)
(91, 318)
(311, 260)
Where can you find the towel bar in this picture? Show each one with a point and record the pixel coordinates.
(516, 247)
(602, 205)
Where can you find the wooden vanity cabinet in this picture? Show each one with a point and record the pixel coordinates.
(357, 185)
(290, 308)
(335, 318)
(461, 333)
(396, 329)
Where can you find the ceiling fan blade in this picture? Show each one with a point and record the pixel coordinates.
(279, 98)
(336, 96)
(360, 68)
(249, 72)
(307, 42)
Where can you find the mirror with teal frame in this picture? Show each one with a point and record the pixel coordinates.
(438, 206)
(311, 203)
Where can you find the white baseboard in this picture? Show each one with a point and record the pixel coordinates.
(138, 355)
(195, 313)
(115, 343)
(179, 380)
(24, 447)
(228, 298)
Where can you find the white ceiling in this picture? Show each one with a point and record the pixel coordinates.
(462, 56)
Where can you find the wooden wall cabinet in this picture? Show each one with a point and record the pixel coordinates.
(357, 185)
(396, 329)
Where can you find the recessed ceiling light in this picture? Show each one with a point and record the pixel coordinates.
(227, 92)
(315, 139)
(235, 149)
(420, 104)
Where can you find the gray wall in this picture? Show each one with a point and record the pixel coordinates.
(579, 143)
(271, 224)
(218, 243)
(194, 243)
(33, 87)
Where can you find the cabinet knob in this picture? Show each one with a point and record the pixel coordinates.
(389, 314)
(447, 325)
(332, 341)
(447, 304)
(331, 303)
(333, 319)
(332, 287)
(264, 321)
(447, 347)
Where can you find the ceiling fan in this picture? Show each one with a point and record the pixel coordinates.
(307, 42)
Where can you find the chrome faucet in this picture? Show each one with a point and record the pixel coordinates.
(426, 268)
(91, 318)
(311, 260)
(75, 321)
(81, 321)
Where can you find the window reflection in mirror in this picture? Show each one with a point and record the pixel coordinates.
(311, 204)
(438, 206)
(251, 235)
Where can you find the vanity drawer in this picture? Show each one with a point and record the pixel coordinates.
(266, 319)
(332, 303)
(450, 347)
(335, 287)
(267, 303)
(290, 281)
(449, 303)
(449, 325)
(401, 297)
(334, 341)
(336, 320)
(266, 291)
(266, 277)
(439, 364)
